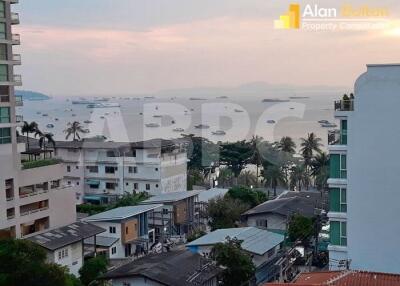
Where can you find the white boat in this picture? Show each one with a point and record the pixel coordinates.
(202, 126)
(103, 105)
(238, 110)
(328, 125)
(45, 114)
(152, 125)
(55, 119)
(219, 132)
(101, 117)
(271, 121)
(323, 121)
(50, 125)
(157, 116)
(73, 115)
(87, 121)
(84, 101)
(178, 129)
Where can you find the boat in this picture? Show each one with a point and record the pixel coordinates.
(271, 121)
(219, 132)
(275, 100)
(73, 115)
(55, 119)
(197, 98)
(107, 113)
(202, 126)
(45, 114)
(157, 116)
(178, 129)
(50, 125)
(38, 112)
(238, 110)
(328, 125)
(323, 121)
(84, 101)
(103, 105)
(87, 121)
(299, 97)
(101, 117)
(103, 99)
(152, 125)
(222, 97)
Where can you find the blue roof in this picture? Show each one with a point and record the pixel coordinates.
(255, 240)
(121, 213)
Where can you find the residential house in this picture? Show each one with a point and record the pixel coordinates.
(264, 247)
(64, 245)
(127, 230)
(173, 268)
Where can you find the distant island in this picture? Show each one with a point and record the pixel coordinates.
(31, 95)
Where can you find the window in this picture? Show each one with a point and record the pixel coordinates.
(132, 170)
(5, 135)
(113, 250)
(338, 233)
(111, 154)
(2, 9)
(156, 185)
(262, 222)
(3, 52)
(126, 230)
(147, 187)
(338, 166)
(68, 169)
(165, 211)
(126, 184)
(337, 200)
(112, 229)
(111, 186)
(3, 31)
(77, 183)
(110, 170)
(4, 115)
(3, 73)
(156, 169)
(135, 186)
(343, 132)
(77, 167)
(93, 169)
(69, 183)
(63, 253)
(94, 186)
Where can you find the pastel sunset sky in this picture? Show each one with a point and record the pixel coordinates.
(107, 47)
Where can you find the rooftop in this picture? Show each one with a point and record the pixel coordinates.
(344, 278)
(63, 236)
(303, 203)
(102, 241)
(207, 195)
(121, 213)
(255, 240)
(170, 268)
(170, 197)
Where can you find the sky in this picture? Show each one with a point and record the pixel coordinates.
(115, 47)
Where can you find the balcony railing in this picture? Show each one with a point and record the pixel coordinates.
(18, 100)
(334, 137)
(17, 79)
(19, 118)
(344, 105)
(15, 18)
(16, 39)
(33, 211)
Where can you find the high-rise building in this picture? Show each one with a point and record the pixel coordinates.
(364, 172)
(32, 196)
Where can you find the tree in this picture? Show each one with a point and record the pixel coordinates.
(24, 263)
(44, 140)
(202, 152)
(225, 177)
(73, 129)
(247, 178)
(286, 144)
(300, 228)
(256, 157)
(274, 176)
(195, 177)
(298, 177)
(131, 199)
(92, 269)
(235, 156)
(28, 128)
(310, 145)
(247, 196)
(238, 265)
(320, 170)
(225, 212)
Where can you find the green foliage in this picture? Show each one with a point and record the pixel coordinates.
(239, 267)
(194, 177)
(236, 156)
(274, 176)
(91, 209)
(24, 263)
(247, 196)
(286, 144)
(202, 152)
(195, 235)
(225, 212)
(300, 228)
(92, 269)
(320, 170)
(40, 163)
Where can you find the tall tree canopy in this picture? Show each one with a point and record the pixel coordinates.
(247, 195)
(236, 156)
(225, 212)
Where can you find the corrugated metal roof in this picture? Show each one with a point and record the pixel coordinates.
(170, 197)
(102, 241)
(255, 240)
(122, 213)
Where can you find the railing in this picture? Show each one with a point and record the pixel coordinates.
(14, 1)
(19, 118)
(333, 137)
(34, 211)
(344, 105)
(10, 217)
(18, 100)
(15, 17)
(9, 199)
(34, 193)
(16, 57)
(17, 79)
(16, 38)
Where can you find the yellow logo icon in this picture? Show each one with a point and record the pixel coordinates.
(290, 20)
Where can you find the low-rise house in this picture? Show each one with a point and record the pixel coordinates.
(264, 247)
(127, 230)
(176, 218)
(176, 268)
(64, 245)
(343, 278)
(274, 214)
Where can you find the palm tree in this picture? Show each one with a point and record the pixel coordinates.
(247, 178)
(225, 177)
(44, 140)
(274, 176)
(73, 129)
(256, 157)
(320, 169)
(299, 177)
(286, 144)
(308, 146)
(28, 128)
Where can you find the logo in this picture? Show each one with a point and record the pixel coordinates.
(290, 20)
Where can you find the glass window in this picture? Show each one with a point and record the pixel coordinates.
(5, 135)
(3, 52)
(343, 233)
(343, 167)
(2, 9)
(3, 73)
(3, 33)
(343, 200)
(4, 115)
(147, 187)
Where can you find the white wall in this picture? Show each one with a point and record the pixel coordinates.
(73, 260)
(373, 172)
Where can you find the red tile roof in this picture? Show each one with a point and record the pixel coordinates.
(344, 278)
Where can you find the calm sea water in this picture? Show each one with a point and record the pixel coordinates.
(240, 117)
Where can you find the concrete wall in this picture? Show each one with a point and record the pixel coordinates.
(73, 260)
(274, 221)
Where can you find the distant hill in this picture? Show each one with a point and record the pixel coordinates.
(31, 95)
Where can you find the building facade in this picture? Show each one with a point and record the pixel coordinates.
(102, 170)
(364, 171)
(32, 196)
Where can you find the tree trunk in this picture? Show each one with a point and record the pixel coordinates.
(257, 175)
(27, 140)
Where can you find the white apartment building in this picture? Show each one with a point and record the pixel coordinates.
(32, 196)
(103, 170)
(364, 200)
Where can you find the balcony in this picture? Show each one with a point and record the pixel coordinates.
(19, 118)
(16, 39)
(14, 18)
(40, 163)
(19, 101)
(16, 59)
(34, 208)
(344, 105)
